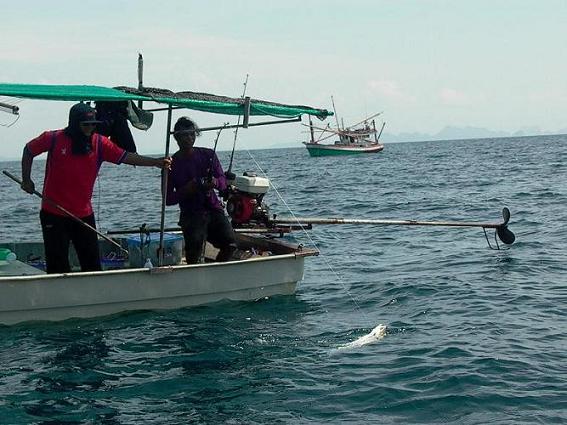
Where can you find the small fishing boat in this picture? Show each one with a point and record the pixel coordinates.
(362, 137)
(267, 267)
(265, 263)
(263, 266)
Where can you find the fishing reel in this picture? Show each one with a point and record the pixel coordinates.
(244, 201)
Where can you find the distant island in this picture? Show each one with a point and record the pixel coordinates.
(457, 133)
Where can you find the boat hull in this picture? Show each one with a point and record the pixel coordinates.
(82, 295)
(316, 149)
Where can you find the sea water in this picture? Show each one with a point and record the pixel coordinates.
(472, 335)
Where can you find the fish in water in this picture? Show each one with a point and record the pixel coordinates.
(375, 334)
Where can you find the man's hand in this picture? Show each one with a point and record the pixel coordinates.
(28, 186)
(164, 163)
(209, 184)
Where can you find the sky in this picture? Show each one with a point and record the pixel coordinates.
(427, 64)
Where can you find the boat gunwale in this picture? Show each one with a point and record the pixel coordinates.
(305, 252)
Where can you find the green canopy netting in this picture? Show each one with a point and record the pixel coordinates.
(191, 100)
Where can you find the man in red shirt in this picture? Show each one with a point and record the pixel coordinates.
(74, 157)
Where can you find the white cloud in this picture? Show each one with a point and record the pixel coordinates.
(452, 97)
(389, 89)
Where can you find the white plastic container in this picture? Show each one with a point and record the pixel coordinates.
(172, 244)
(252, 184)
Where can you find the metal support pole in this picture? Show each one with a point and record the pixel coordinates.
(140, 76)
(298, 119)
(164, 175)
(246, 112)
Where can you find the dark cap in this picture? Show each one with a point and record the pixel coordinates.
(82, 113)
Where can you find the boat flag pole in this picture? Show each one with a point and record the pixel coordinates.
(502, 230)
(68, 213)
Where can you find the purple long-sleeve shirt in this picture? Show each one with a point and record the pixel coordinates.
(185, 168)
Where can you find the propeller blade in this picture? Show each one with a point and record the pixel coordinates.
(505, 235)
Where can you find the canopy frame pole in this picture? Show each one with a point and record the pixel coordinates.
(246, 112)
(140, 77)
(164, 176)
(164, 109)
(6, 107)
(256, 124)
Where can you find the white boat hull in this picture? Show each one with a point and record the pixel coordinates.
(83, 295)
(318, 149)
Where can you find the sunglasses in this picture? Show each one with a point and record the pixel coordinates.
(88, 124)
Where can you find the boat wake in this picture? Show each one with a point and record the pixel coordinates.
(375, 335)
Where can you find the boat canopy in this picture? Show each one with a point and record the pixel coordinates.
(191, 100)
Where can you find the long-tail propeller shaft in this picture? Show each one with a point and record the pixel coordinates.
(501, 229)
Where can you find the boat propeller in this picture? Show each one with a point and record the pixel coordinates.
(505, 234)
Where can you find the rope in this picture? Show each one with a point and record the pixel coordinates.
(329, 266)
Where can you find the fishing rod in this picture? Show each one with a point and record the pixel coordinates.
(229, 171)
(210, 170)
(208, 180)
(504, 234)
(68, 213)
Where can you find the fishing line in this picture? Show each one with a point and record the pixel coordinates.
(12, 123)
(331, 268)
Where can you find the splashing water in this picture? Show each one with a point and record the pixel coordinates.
(375, 335)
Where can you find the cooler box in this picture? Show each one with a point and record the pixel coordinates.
(172, 245)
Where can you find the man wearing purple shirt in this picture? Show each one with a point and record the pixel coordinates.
(195, 173)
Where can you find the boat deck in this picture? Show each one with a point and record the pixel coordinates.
(31, 257)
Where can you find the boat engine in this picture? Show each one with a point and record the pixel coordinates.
(244, 204)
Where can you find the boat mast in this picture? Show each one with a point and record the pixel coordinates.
(311, 130)
(374, 126)
(335, 111)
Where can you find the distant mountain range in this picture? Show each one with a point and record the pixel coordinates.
(456, 133)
